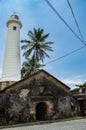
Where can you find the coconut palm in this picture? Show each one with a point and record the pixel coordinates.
(29, 67)
(37, 46)
(35, 51)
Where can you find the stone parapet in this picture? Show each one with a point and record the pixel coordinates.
(4, 84)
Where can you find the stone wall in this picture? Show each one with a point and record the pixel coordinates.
(21, 102)
(5, 84)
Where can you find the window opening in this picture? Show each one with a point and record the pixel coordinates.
(14, 27)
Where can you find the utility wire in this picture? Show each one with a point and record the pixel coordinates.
(77, 25)
(57, 59)
(67, 54)
(56, 12)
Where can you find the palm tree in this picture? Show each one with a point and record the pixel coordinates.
(29, 67)
(35, 51)
(37, 45)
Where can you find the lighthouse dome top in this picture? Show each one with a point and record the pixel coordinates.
(14, 16)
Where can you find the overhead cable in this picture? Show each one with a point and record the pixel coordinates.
(65, 55)
(56, 12)
(77, 25)
(57, 59)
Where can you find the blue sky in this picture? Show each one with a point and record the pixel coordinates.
(36, 13)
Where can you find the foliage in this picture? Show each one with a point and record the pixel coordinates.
(29, 67)
(37, 45)
(81, 86)
(35, 51)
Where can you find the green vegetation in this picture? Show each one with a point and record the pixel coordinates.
(81, 86)
(35, 51)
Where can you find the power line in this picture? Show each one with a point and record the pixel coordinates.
(57, 59)
(77, 25)
(67, 54)
(56, 12)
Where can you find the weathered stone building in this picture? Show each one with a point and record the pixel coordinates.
(5, 84)
(38, 97)
(80, 95)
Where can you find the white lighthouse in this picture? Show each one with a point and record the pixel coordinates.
(11, 66)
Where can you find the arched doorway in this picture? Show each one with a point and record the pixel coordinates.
(41, 111)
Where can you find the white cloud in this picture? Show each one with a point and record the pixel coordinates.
(72, 81)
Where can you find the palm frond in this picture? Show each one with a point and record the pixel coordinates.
(46, 47)
(47, 43)
(43, 38)
(25, 41)
(36, 48)
(44, 53)
(28, 52)
(31, 35)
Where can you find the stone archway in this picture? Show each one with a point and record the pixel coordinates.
(41, 111)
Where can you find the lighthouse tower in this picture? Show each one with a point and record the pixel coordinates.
(11, 66)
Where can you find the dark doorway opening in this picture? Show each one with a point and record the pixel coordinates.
(41, 111)
(82, 107)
